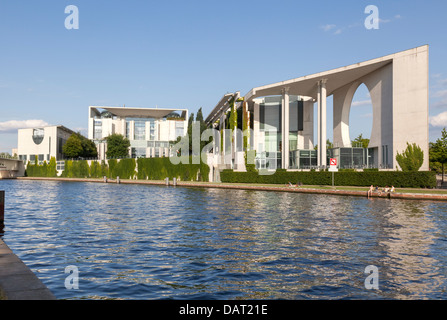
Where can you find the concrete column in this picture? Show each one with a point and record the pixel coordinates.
(256, 126)
(322, 123)
(318, 123)
(285, 128)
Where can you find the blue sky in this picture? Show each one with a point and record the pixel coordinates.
(187, 54)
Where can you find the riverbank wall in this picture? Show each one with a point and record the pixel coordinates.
(17, 281)
(278, 188)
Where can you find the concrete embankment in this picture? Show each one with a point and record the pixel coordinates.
(421, 195)
(17, 281)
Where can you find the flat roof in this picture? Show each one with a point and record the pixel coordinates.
(336, 78)
(50, 126)
(125, 112)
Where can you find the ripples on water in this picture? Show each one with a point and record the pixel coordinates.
(154, 242)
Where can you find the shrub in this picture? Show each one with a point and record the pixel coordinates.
(44, 170)
(421, 179)
(161, 168)
(411, 159)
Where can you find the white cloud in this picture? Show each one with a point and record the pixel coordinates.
(328, 27)
(439, 120)
(13, 125)
(339, 31)
(361, 103)
(367, 115)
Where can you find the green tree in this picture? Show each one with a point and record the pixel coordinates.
(117, 146)
(78, 146)
(360, 142)
(73, 147)
(411, 159)
(88, 148)
(438, 151)
(201, 121)
(51, 169)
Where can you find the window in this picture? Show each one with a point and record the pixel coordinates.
(38, 135)
(270, 116)
(179, 128)
(98, 130)
(152, 130)
(138, 152)
(60, 165)
(140, 130)
(128, 130)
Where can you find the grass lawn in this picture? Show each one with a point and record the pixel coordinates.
(345, 188)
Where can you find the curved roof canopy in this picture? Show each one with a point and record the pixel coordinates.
(124, 112)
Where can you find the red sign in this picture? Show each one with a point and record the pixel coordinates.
(333, 162)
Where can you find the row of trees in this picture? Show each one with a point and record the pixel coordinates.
(77, 146)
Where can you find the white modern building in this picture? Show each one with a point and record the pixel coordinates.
(149, 130)
(284, 111)
(44, 142)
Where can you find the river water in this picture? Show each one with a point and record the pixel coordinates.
(157, 242)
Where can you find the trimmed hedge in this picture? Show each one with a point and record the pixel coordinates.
(125, 168)
(398, 179)
(76, 169)
(44, 170)
(161, 168)
(142, 168)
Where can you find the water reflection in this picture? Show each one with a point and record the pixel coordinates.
(407, 238)
(149, 242)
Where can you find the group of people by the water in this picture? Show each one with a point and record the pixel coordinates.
(371, 190)
(380, 191)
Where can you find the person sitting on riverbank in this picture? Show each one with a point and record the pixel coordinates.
(386, 189)
(371, 190)
(378, 190)
(392, 189)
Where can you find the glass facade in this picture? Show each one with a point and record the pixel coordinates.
(97, 133)
(140, 130)
(270, 114)
(152, 130)
(38, 135)
(138, 152)
(303, 159)
(179, 128)
(270, 124)
(354, 158)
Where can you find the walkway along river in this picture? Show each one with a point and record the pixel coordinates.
(151, 241)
